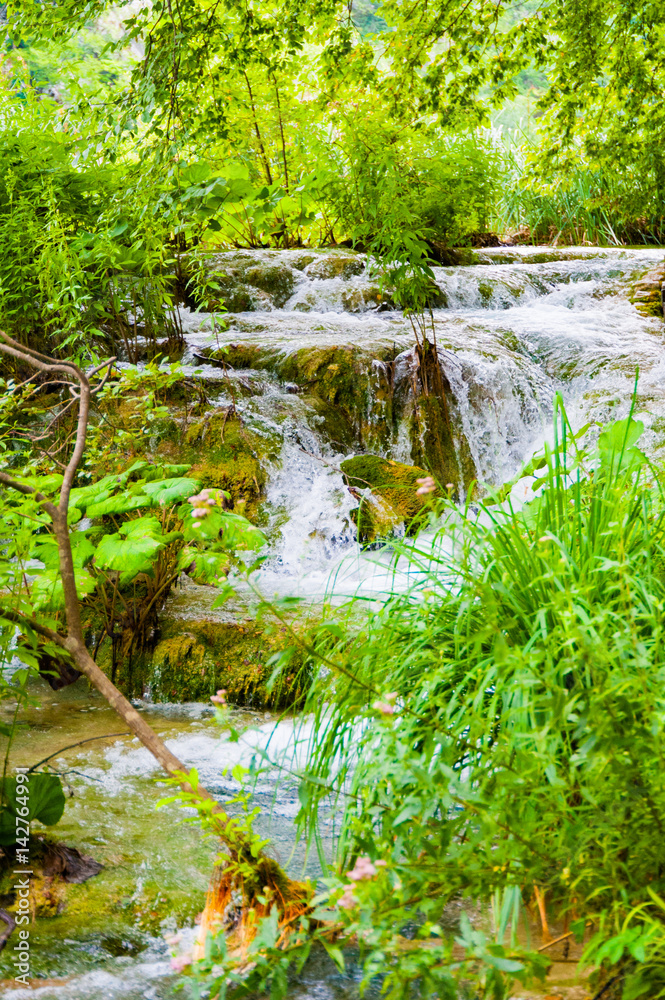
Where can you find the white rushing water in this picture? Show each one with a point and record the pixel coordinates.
(511, 331)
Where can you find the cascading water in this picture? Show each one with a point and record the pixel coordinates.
(512, 329)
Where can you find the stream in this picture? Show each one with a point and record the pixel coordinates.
(512, 329)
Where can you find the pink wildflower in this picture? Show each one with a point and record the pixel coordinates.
(200, 511)
(427, 485)
(219, 698)
(173, 939)
(384, 707)
(348, 900)
(202, 499)
(363, 870)
(381, 863)
(180, 962)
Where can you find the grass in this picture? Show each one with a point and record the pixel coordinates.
(502, 738)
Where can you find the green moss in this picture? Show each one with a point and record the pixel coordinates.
(276, 279)
(343, 378)
(394, 499)
(246, 282)
(337, 265)
(226, 455)
(646, 293)
(191, 665)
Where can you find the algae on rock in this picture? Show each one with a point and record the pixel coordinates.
(194, 658)
(348, 384)
(648, 293)
(387, 494)
(227, 455)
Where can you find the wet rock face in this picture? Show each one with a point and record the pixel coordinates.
(249, 281)
(194, 658)
(351, 388)
(648, 294)
(261, 280)
(387, 495)
(336, 265)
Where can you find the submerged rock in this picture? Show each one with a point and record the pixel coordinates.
(54, 866)
(647, 293)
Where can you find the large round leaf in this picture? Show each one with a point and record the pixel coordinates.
(43, 796)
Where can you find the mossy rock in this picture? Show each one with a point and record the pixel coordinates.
(224, 454)
(337, 265)
(393, 501)
(277, 280)
(647, 294)
(194, 659)
(353, 381)
(252, 281)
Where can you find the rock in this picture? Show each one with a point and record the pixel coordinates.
(252, 280)
(648, 293)
(9, 927)
(387, 494)
(54, 867)
(336, 264)
(68, 863)
(194, 657)
(351, 386)
(224, 454)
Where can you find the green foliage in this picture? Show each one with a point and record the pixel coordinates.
(40, 797)
(142, 537)
(499, 726)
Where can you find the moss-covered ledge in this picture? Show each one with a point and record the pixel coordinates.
(393, 501)
(196, 654)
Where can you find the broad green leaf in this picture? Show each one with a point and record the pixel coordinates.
(168, 491)
(45, 802)
(122, 503)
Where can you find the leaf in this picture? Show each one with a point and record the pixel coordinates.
(122, 503)
(504, 964)
(46, 589)
(45, 802)
(134, 554)
(620, 435)
(170, 490)
(335, 953)
(267, 933)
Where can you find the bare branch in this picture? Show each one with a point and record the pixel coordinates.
(23, 349)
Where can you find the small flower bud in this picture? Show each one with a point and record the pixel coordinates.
(427, 485)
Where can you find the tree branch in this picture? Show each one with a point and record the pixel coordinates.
(11, 615)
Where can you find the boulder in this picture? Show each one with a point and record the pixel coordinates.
(195, 655)
(647, 293)
(387, 495)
